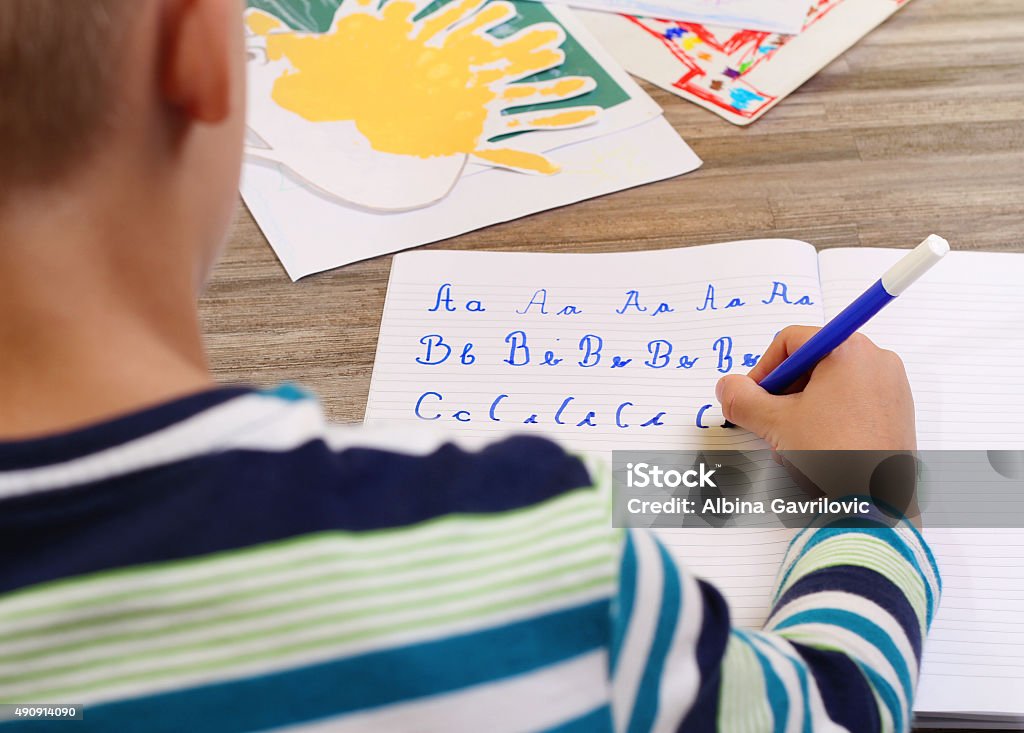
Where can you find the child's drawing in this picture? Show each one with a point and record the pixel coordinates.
(734, 72)
(716, 64)
(384, 108)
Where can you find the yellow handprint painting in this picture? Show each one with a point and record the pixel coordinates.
(384, 108)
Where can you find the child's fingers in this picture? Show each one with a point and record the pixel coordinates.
(744, 403)
(785, 343)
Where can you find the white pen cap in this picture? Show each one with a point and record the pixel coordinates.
(917, 262)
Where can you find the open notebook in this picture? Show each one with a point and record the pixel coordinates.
(618, 351)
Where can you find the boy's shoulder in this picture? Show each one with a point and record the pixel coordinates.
(233, 468)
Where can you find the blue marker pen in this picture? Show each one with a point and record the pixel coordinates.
(895, 280)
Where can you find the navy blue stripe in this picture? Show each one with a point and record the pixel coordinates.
(714, 635)
(77, 443)
(866, 629)
(843, 686)
(238, 499)
(357, 683)
(869, 584)
(889, 536)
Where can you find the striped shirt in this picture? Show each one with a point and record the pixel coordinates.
(231, 562)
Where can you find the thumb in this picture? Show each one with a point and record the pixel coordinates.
(744, 403)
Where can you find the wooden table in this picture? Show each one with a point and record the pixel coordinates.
(918, 128)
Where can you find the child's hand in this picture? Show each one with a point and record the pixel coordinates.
(857, 398)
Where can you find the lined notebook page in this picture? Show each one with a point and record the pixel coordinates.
(602, 351)
(519, 314)
(960, 331)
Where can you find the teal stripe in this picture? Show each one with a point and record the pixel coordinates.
(645, 708)
(883, 533)
(862, 627)
(622, 611)
(373, 680)
(888, 695)
(778, 697)
(932, 562)
(288, 392)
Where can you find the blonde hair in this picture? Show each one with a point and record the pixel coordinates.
(58, 73)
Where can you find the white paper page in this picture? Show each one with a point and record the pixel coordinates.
(742, 562)
(336, 159)
(777, 16)
(310, 233)
(960, 332)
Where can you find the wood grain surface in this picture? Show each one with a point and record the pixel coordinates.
(918, 128)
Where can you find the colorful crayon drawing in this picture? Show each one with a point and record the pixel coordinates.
(715, 66)
(383, 109)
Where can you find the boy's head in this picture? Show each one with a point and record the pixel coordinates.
(129, 104)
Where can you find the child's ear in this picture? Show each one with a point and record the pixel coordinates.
(195, 64)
